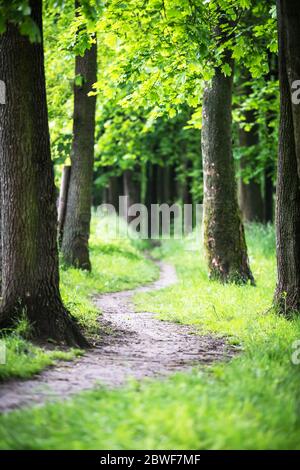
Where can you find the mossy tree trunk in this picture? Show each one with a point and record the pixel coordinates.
(287, 294)
(75, 243)
(224, 237)
(30, 276)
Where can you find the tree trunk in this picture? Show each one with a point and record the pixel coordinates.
(287, 295)
(187, 183)
(167, 183)
(30, 277)
(151, 196)
(114, 191)
(132, 189)
(75, 244)
(269, 194)
(159, 184)
(173, 185)
(63, 199)
(251, 202)
(269, 170)
(224, 237)
(0, 232)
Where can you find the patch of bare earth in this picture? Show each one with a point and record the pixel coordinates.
(133, 345)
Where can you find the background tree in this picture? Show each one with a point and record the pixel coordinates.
(250, 190)
(224, 236)
(149, 98)
(162, 84)
(76, 229)
(255, 116)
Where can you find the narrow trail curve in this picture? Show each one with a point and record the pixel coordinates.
(133, 345)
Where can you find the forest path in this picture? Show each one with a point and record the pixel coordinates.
(133, 345)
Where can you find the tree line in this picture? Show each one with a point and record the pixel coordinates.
(178, 104)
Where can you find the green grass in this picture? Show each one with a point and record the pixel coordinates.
(23, 359)
(117, 265)
(251, 402)
(240, 312)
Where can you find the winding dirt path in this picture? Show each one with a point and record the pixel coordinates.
(133, 345)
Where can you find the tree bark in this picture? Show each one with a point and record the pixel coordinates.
(250, 196)
(269, 171)
(187, 183)
(132, 189)
(151, 196)
(224, 237)
(114, 191)
(63, 200)
(287, 295)
(173, 185)
(30, 276)
(269, 194)
(167, 183)
(160, 190)
(75, 244)
(251, 202)
(0, 228)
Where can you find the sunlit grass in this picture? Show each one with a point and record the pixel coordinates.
(117, 265)
(230, 310)
(251, 402)
(23, 359)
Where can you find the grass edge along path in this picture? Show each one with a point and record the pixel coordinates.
(253, 402)
(117, 265)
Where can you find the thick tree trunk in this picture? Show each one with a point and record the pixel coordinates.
(250, 196)
(75, 244)
(224, 237)
(30, 278)
(287, 294)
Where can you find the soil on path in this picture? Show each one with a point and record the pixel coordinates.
(133, 345)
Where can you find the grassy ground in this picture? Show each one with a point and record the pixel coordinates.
(117, 265)
(252, 402)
